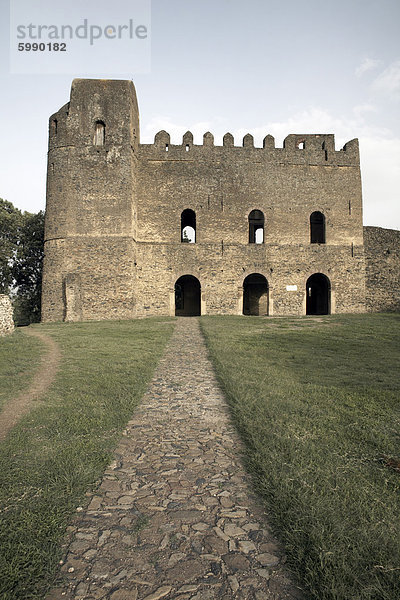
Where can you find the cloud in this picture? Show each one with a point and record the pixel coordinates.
(368, 64)
(380, 170)
(310, 120)
(388, 82)
(360, 110)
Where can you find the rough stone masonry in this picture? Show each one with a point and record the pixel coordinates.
(6, 315)
(162, 229)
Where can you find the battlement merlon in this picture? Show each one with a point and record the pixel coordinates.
(96, 102)
(112, 105)
(297, 149)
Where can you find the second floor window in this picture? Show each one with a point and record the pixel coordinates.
(317, 228)
(188, 226)
(256, 227)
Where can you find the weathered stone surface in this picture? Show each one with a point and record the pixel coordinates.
(382, 261)
(183, 548)
(268, 560)
(160, 593)
(213, 543)
(187, 571)
(234, 531)
(236, 562)
(113, 240)
(124, 595)
(246, 546)
(6, 315)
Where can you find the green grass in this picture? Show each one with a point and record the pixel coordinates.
(56, 454)
(19, 359)
(317, 404)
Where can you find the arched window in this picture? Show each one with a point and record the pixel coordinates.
(188, 226)
(317, 228)
(99, 134)
(256, 227)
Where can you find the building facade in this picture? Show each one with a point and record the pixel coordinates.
(161, 229)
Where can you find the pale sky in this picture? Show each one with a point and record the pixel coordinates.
(260, 66)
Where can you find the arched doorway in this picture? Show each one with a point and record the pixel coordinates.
(187, 296)
(318, 290)
(255, 295)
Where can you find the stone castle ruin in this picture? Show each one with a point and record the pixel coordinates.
(160, 229)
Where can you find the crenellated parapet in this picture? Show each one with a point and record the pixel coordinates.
(311, 149)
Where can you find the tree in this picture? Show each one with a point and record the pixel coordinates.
(21, 258)
(27, 269)
(10, 228)
(185, 237)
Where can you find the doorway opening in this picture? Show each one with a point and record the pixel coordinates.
(187, 296)
(318, 290)
(255, 295)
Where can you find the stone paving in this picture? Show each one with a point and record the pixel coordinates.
(173, 516)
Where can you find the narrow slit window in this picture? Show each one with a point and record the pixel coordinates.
(317, 228)
(187, 147)
(54, 126)
(100, 134)
(166, 148)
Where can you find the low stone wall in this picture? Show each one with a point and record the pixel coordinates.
(382, 269)
(6, 315)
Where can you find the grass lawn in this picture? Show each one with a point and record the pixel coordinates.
(19, 359)
(57, 452)
(316, 401)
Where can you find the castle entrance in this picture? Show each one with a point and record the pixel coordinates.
(187, 296)
(318, 290)
(255, 295)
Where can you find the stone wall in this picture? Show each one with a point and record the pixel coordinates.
(382, 266)
(113, 247)
(222, 185)
(6, 315)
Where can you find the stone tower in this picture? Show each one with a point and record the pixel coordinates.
(90, 211)
(160, 229)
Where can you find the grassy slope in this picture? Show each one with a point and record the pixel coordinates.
(19, 359)
(316, 402)
(61, 448)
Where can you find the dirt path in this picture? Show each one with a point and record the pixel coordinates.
(173, 517)
(43, 378)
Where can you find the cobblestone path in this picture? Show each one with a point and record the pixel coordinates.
(173, 516)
